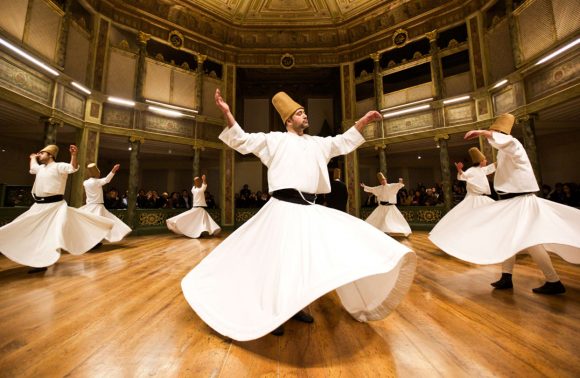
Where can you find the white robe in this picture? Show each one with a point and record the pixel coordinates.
(498, 231)
(37, 237)
(195, 221)
(477, 191)
(288, 254)
(388, 218)
(94, 191)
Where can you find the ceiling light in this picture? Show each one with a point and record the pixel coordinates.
(405, 111)
(166, 112)
(499, 84)
(419, 157)
(80, 87)
(120, 101)
(171, 106)
(29, 57)
(558, 52)
(456, 99)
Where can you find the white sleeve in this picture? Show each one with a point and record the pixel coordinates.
(489, 169)
(245, 143)
(341, 144)
(372, 189)
(34, 167)
(65, 168)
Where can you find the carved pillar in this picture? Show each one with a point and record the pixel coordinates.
(199, 82)
(351, 176)
(529, 135)
(436, 73)
(196, 156)
(378, 81)
(50, 129)
(77, 192)
(445, 171)
(477, 60)
(132, 219)
(63, 36)
(513, 27)
(383, 159)
(101, 42)
(142, 39)
(228, 157)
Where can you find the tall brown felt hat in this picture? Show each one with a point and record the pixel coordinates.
(285, 105)
(93, 170)
(51, 149)
(504, 123)
(381, 177)
(476, 155)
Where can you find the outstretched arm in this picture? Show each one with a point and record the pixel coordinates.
(224, 107)
(475, 133)
(371, 116)
(73, 156)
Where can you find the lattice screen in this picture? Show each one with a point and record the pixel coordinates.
(15, 23)
(121, 74)
(404, 96)
(184, 89)
(536, 28)
(77, 54)
(44, 29)
(157, 81)
(500, 53)
(567, 17)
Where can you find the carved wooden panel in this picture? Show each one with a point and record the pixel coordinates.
(121, 73)
(21, 79)
(43, 29)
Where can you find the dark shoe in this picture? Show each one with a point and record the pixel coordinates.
(550, 288)
(505, 282)
(303, 317)
(37, 270)
(278, 331)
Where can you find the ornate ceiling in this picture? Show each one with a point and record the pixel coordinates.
(258, 32)
(275, 13)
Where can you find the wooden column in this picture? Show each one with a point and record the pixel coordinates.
(132, 219)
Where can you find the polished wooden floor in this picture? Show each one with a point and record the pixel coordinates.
(119, 312)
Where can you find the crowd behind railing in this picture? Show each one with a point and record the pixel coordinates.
(153, 200)
(421, 195)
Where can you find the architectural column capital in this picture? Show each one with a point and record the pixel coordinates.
(375, 57)
(432, 36)
(439, 137)
(135, 138)
(142, 38)
(51, 121)
(200, 58)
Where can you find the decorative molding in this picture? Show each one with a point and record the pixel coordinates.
(400, 37)
(287, 61)
(176, 39)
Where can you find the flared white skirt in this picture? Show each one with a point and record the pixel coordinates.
(390, 220)
(37, 236)
(193, 223)
(496, 232)
(119, 230)
(287, 256)
(444, 228)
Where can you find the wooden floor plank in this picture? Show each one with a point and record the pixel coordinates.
(119, 311)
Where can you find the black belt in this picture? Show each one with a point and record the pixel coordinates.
(294, 196)
(386, 203)
(49, 199)
(504, 196)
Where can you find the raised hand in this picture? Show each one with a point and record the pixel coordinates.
(73, 149)
(116, 168)
(220, 102)
(459, 166)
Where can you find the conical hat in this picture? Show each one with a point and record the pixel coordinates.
(52, 149)
(504, 123)
(93, 170)
(285, 106)
(476, 155)
(381, 177)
